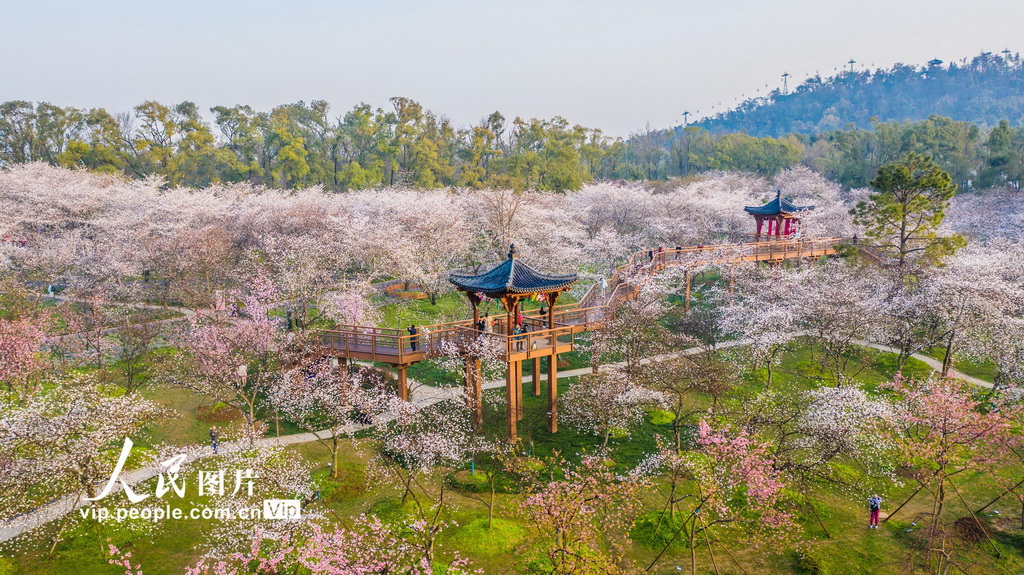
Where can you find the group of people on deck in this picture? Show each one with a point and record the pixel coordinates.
(486, 325)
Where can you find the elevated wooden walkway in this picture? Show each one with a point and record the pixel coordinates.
(396, 347)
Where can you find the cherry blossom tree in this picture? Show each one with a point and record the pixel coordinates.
(633, 330)
(764, 312)
(63, 441)
(978, 287)
(608, 402)
(366, 546)
(414, 446)
(832, 437)
(727, 463)
(838, 306)
(685, 379)
(941, 432)
(577, 520)
(329, 403)
(20, 349)
(133, 351)
(235, 359)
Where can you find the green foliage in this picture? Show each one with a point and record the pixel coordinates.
(907, 208)
(391, 510)
(809, 563)
(476, 538)
(654, 530)
(661, 417)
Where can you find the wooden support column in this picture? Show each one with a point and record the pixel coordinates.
(536, 377)
(552, 368)
(519, 390)
(686, 305)
(732, 280)
(510, 394)
(403, 383)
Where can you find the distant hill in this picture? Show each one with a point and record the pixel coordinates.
(982, 90)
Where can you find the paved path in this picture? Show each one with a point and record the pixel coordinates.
(424, 395)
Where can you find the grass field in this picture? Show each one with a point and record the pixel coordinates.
(834, 533)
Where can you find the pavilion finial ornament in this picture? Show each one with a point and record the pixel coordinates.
(511, 251)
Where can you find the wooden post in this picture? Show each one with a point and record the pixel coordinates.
(552, 368)
(519, 390)
(536, 377)
(732, 280)
(510, 394)
(403, 383)
(687, 303)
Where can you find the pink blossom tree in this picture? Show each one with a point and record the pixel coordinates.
(941, 432)
(235, 359)
(20, 348)
(735, 486)
(577, 520)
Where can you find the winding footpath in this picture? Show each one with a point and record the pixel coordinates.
(424, 395)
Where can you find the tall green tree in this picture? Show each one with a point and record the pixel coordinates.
(909, 204)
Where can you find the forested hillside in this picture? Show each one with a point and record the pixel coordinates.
(967, 116)
(982, 90)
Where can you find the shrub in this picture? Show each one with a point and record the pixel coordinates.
(476, 538)
(654, 530)
(809, 563)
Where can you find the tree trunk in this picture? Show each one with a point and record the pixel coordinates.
(947, 362)
(335, 451)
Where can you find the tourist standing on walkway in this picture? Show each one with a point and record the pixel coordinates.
(488, 323)
(875, 505)
(214, 438)
(413, 340)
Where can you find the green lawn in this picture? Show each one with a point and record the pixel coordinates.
(848, 546)
(980, 368)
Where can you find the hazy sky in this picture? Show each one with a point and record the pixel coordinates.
(614, 65)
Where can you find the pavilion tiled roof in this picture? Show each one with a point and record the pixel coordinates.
(776, 207)
(511, 277)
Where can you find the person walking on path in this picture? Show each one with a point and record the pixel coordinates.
(214, 438)
(413, 341)
(875, 505)
(488, 323)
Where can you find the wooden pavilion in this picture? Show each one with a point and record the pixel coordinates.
(781, 215)
(512, 282)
